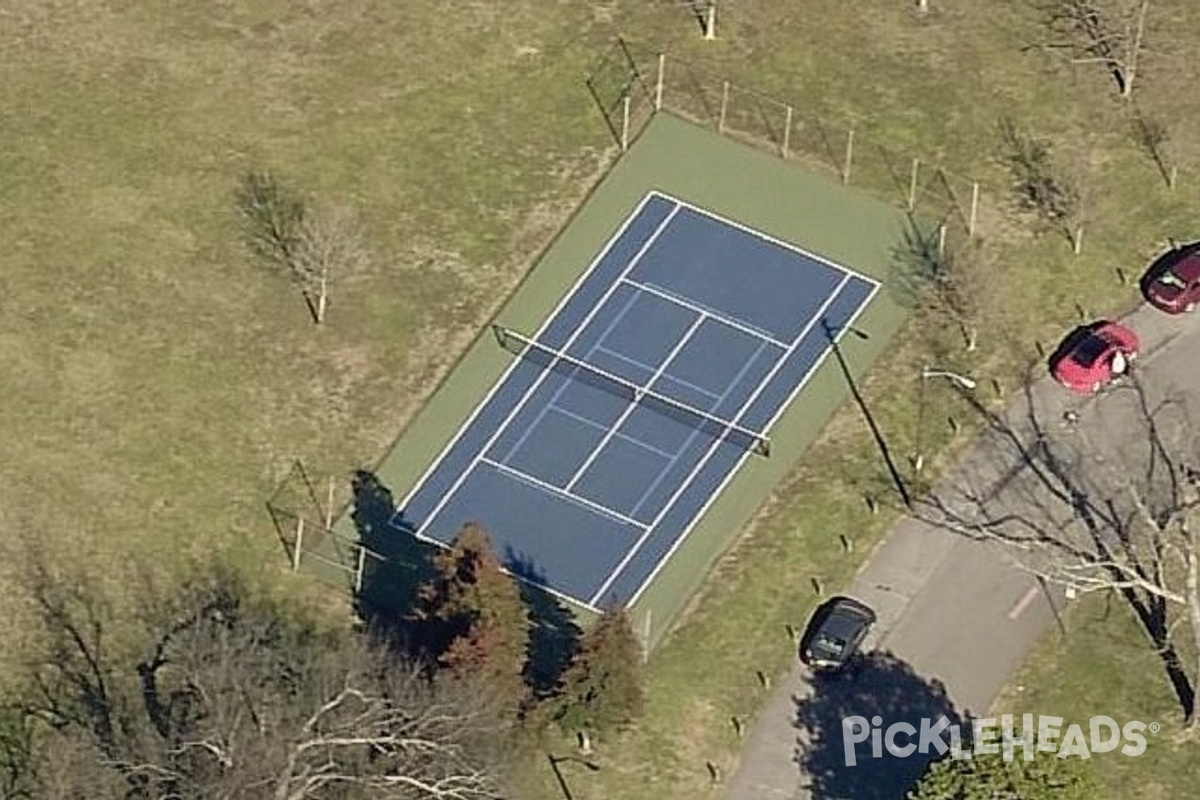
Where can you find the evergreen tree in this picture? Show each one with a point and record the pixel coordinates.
(478, 627)
(602, 689)
(991, 777)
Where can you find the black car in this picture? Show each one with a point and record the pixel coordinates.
(835, 632)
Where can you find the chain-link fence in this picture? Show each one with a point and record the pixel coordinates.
(304, 515)
(631, 84)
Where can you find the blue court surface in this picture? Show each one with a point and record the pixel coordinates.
(587, 489)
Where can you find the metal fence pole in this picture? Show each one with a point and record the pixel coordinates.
(912, 184)
(849, 156)
(658, 86)
(360, 568)
(625, 123)
(974, 208)
(299, 544)
(724, 106)
(787, 132)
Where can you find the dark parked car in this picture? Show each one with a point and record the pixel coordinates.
(835, 633)
(1172, 283)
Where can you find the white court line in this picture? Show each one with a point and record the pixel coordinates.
(692, 305)
(766, 237)
(648, 368)
(516, 409)
(567, 383)
(566, 298)
(634, 405)
(622, 436)
(550, 488)
(746, 406)
(737, 379)
(837, 337)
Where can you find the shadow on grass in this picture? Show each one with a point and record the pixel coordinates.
(400, 565)
(882, 690)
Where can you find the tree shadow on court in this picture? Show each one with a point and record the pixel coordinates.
(553, 632)
(398, 566)
(882, 690)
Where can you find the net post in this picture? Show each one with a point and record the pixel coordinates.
(658, 86)
(625, 122)
(787, 132)
(501, 335)
(299, 548)
(724, 106)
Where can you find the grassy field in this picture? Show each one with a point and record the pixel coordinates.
(159, 382)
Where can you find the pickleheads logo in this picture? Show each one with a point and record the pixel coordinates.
(990, 735)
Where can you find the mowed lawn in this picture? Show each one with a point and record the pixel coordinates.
(159, 381)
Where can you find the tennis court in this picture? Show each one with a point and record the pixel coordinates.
(623, 417)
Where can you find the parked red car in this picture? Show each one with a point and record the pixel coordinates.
(1172, 283)
(1093, 356)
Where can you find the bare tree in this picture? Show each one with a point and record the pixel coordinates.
(312, 246)
(1041, 184)
(953, 281)
(329, 243)
(1105, 32)
(1114, 511)
(232, 700)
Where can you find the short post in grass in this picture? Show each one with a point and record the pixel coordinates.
(739, 727)
(912, 183)
(849, 156)
(714, 772)
(724, 106)
(1077, 239)
(764, 680)
(846, 542)
(658, 85)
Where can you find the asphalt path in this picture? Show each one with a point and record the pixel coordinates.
(956, 616)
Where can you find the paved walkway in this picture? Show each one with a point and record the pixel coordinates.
(954, 609)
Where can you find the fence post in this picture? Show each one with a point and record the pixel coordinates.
(787, 132)
(658, 86)
(710, 21)
(912, 184)
(625, 123)
(359, 569)
(299, 544)
(849, 156)
(974, 208)
(942, 240)
(724, 106)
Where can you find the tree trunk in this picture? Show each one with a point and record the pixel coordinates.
(1192, 595)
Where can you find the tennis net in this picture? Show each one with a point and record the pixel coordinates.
(549, 358)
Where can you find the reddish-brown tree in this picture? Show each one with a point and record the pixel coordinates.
(478, 626)
(603, 688)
